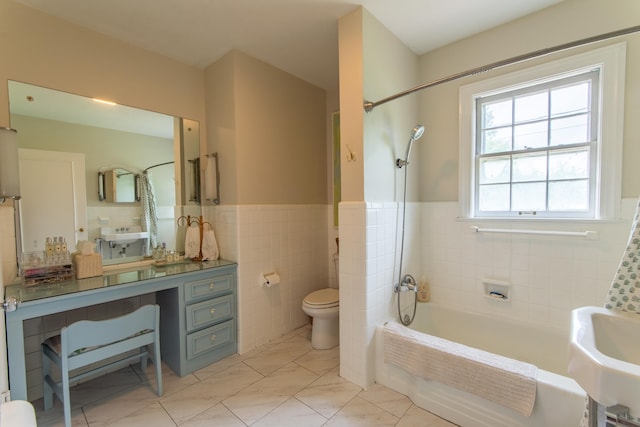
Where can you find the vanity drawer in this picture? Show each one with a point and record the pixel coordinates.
(209, 339)
(208, 288)
(208, 312)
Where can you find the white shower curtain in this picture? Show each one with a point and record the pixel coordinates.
(149, 220)
(624, 294)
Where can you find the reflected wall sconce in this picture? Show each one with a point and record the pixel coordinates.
(9, 165)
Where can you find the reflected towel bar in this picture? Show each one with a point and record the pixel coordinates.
(589, 235)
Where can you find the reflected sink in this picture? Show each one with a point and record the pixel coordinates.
(123, 235)
(604, 355)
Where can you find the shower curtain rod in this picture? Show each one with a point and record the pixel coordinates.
(368, 106)
(159, 164)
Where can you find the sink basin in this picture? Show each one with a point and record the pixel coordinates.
(604, 355)
(123, 235)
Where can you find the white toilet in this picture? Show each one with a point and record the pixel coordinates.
(324, 306)
(17, 413)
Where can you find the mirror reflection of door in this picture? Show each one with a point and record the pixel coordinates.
(53, 200)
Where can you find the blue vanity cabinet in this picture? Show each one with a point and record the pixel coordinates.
(198, 320)
(197, 311)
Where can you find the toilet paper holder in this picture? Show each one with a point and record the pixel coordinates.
(270, 279)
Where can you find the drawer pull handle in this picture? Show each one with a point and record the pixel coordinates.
(213, 310)
(211, 285)
(213, 337)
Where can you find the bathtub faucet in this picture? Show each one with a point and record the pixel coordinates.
(408, 283)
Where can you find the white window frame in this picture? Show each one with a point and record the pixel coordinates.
(611, 61)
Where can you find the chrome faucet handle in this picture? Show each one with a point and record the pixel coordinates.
(408, 283)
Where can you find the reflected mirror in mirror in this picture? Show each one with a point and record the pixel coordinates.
(118, 185)
(104, 135)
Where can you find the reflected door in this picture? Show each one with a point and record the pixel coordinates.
(54, 198)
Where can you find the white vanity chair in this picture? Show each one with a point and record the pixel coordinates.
(324, 306)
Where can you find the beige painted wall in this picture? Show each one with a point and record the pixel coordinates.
(351, 45)
(389, 67)
(275, 127)
(374, 64)
(47, 51)
(547, 28)
(221, 123)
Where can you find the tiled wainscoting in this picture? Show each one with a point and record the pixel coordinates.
(292, 240)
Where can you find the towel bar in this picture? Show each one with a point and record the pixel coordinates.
(589, 235)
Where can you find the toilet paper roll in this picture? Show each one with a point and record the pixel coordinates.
(271, 279)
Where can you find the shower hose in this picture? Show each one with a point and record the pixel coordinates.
(406, 319)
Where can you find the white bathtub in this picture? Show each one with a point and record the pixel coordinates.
(559, 400)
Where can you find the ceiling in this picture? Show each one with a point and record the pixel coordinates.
(297, 36)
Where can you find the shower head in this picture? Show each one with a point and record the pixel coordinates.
(416, 134)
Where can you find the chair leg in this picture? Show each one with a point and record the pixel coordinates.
(158, 365)
(66, 399)
(47, 391)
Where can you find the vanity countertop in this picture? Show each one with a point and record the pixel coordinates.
(110, 278)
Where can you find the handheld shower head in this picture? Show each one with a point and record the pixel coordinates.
(416, 134)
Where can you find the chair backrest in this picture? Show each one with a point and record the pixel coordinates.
(94, 333)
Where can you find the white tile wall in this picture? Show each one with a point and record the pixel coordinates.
(549, 275)
(353, 286)
(7, 245)
(291, 240)
(369, 256)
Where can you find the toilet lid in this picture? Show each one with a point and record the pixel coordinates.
(323, 297)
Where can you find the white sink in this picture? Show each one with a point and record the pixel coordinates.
(604, 356)
(123, 235)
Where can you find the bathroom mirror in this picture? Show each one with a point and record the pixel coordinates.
(118, 185)
(107, 134)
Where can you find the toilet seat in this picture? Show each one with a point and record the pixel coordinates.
(323, 298)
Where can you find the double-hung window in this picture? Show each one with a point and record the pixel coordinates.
(544, 142)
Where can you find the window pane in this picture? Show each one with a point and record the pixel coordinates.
(533, 135)
(532, 107)
(496, 140)
(530, 167)
(494, 170)
(569, 164)
(570, 130)
(570, 99)
(535, 147)
(494, 198)
(496, 114)
(529, 197)
(569, 195)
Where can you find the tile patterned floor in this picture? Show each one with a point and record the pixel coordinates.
(284, 383)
